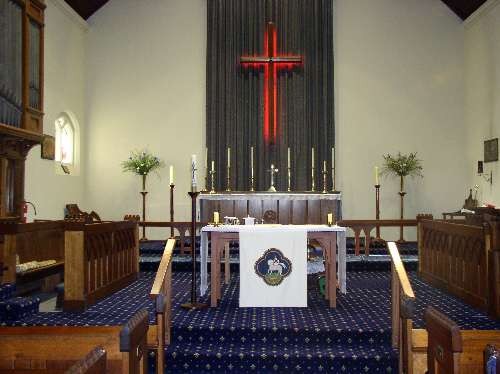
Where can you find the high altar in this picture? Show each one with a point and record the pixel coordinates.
(296, 208)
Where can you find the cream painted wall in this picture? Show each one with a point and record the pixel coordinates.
(146, 89)
(399, 87)
(65, 35)
(482, 104)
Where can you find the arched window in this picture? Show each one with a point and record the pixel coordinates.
(65, 140)
(67, 133)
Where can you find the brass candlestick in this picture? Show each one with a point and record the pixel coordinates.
(289, 172)
(252, 181)
(325, 176)
(334, 187)
(172, 210)
(313, 182)
(212, 181)
(228, 179)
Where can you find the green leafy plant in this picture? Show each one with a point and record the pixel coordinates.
(402, 165)
(142, 163)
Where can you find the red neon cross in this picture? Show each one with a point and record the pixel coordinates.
(271, 63)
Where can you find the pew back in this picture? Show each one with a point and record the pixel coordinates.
(99, 260)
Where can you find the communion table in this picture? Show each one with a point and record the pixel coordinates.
(331, 239)
(296, 208)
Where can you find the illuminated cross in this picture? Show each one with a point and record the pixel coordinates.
(271, 62)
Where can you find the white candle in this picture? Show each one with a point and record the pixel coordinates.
(312, 159)
(171, 174)
(289, 157)
(333, 158)
(324, 165)
(228, 157)
(193, 171)
(213, 165)
(376, 176)
(330, 218)
(216, 217)
(251, 157)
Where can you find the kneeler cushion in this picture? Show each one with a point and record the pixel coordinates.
(7, 291)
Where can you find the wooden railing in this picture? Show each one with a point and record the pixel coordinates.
(458, 259)
(93, 363)
(403, 309)
(161, 293)
(100, 259)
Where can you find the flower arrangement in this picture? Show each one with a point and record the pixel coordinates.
(402, 166)
(142, 163)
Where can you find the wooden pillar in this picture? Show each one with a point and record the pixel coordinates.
(75, 270)
(9, 258)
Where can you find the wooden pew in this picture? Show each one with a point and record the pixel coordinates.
(100, 259)
(161, 293)
(36, 241)
(412, 343)
(461, 260)
(53, 349)
(93, 363)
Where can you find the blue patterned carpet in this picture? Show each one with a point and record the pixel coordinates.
(354, 338)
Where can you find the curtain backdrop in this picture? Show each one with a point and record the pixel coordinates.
(235, 103)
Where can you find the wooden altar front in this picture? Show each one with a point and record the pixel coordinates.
(297, 208)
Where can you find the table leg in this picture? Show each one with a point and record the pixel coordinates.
(326, 255)
(213, 271)
(227, 265)
(333, 269)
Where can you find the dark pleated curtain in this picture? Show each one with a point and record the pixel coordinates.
(10, 63)
(235, 115)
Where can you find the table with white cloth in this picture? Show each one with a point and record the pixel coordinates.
(332, 240)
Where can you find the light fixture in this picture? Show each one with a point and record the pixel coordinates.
(480, 171)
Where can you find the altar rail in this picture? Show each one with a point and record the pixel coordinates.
(36, 241)
(161, 293)
(100, 259)
(460, 260)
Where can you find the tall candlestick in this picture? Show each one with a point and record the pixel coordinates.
(333, 157)
(288, 164)
(193, 173)
(213, 165)
(376, 176)
(252, 188)
(228, 157)
(171, 174)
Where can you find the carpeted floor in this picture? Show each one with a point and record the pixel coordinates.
(353, 338)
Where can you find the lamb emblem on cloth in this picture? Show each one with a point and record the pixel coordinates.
(273, 267)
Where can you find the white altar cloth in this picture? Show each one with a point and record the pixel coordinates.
(273, 267)
(341, 247)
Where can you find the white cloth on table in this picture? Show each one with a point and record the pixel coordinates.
(292, 289)
(341, 248)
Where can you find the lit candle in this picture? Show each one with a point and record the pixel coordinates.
(213, 165)
(216, 217)
(376, 176)
(324, 165)
(312, 159)
(251, 157)
(171, 174)
(330, 219)
(193, 172)
(228, 157)
(333, 158)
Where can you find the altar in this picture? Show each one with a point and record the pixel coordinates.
(331, 238)
(297, 208)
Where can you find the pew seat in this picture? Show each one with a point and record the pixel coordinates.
(54, 349)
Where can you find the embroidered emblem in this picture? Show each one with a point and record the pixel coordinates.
(273, 267)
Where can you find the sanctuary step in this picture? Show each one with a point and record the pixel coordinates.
(379, 260)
